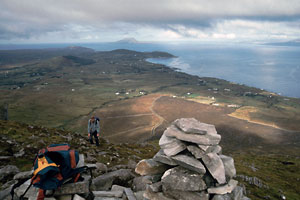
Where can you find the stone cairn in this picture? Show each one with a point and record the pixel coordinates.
(190, 165)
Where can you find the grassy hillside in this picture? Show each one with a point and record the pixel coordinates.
(56, 91)
(276, 174)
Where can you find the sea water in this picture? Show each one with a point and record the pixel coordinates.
(273, 68)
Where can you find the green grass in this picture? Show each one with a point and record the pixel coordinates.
(278, 172)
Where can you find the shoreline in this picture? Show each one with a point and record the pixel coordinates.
(237, 83)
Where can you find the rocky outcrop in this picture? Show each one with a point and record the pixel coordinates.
(189, 166)
(196, 168)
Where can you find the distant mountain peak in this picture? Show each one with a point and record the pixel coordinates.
(128, 40)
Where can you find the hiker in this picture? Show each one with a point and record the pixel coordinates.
(94, 129)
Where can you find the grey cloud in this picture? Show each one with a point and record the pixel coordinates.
(37, 17)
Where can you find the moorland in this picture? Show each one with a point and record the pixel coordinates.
(136, 100)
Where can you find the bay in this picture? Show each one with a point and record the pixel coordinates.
(273, 68)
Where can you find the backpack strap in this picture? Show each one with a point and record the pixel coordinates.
(41, 195)
(58, 148)
(72, 158)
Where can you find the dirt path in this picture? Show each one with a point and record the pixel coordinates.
(161, 119)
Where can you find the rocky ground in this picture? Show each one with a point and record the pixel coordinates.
(188, 166)
(263, 176)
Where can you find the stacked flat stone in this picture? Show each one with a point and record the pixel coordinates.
(191, 165)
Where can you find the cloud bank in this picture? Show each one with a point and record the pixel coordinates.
(108, 20)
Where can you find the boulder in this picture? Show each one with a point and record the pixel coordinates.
(139, 195)
(23, 175)
(191, 125)
(170, 145)
(163, 158)
(196, 151)
(223, 189)
(131, 164)
(140, 183)
(102, 168)
(189, 163)
(8, 171)
(105, 181)
(186, 195)
(209, 139)
(150, 167)
(228, 162)
(73, 188)
(215, 166)
(182, 179)
(156, 187)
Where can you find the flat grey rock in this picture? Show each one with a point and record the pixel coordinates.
(215, 166)
(163, 158)
(191, 125)
(224, 189)
(117, 188)
(117, 194)
(105, 181)
(23, 175)
(170, 145)
(237, 193)
(81, 161)
(214, 149)
(5, 194)
(73, 188)
(230, 170)
(179, 178)
(209, 139)
(140, 183)
(150, 167)
(196, 151)
(189, 163)
(129, 194)
(203, 147)
(222, 197)
(32, 192)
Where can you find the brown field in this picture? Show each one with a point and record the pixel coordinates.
(145, 118)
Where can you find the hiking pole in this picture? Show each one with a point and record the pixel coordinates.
(22, 196)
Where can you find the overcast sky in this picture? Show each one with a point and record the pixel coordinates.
(56, 21)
